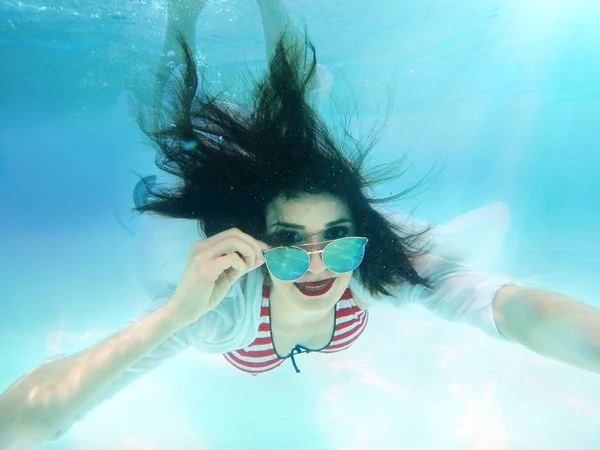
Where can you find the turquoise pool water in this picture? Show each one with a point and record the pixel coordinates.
(504, 95)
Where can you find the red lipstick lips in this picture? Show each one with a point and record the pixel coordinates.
(315, 288)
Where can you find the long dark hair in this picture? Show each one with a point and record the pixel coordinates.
(232, 161)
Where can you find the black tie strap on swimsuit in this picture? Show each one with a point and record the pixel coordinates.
(295, 351)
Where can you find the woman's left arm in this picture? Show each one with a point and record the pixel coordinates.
(551, 324)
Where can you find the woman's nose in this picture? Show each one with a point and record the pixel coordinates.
(316, 263)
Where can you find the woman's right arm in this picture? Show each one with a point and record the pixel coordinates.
(41, 402)
(38, 405)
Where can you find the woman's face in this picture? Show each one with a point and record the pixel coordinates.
(311, 219)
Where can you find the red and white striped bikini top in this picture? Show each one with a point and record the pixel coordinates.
(260, 355)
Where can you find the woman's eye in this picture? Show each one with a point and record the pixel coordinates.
(285, 237)
(337, 232)
(293, 238)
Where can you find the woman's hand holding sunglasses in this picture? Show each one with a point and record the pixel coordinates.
(213, 265)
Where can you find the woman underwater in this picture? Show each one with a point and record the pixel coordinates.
(289, 255)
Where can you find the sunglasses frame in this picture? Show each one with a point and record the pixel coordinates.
(309, 253)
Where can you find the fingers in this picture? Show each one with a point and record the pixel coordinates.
(234, 240)
(238, 247)
(230, 249)
(232, 261)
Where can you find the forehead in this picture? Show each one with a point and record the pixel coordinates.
(311, 211)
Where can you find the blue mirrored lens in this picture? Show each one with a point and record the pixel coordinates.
(287, 263)
(344, 254)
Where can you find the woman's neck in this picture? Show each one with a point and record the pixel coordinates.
(288, 315)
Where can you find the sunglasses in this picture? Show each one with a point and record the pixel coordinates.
(339, 255)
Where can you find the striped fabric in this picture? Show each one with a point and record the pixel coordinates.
(260, 355)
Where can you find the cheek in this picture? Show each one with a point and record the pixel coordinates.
(280, 285)
(345, 279)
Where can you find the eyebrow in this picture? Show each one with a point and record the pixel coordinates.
(300, 227)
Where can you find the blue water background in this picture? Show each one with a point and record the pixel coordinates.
(505, 95)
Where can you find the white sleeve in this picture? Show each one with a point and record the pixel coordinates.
(463, 250)
(458, 293)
